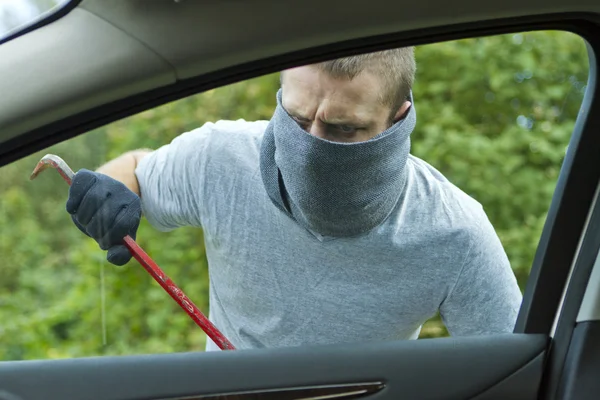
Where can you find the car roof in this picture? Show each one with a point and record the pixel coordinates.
(107, 59)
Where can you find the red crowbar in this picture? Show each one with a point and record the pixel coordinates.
(50, 160)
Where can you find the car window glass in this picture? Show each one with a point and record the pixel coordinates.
(16, 15)
(492, 119)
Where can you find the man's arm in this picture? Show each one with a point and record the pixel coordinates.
(123, 168)
(171, 179)
(485, 298)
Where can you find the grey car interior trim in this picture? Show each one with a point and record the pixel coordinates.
(198, 43)
(527, 379)
(583, 233)
(590, 306)
(428, 368)
(49, 77)
(319, 392)
(579, 380)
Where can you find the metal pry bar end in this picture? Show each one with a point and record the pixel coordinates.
(53, 161)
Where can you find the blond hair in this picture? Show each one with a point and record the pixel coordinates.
(396, 67)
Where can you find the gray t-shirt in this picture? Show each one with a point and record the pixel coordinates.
(274, 284)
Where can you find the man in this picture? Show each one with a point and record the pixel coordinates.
(319, 225)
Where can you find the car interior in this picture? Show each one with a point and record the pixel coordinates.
(87, 64)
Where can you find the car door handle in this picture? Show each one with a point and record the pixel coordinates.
(323, 392)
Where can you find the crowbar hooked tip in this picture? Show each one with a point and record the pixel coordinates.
(52, 161)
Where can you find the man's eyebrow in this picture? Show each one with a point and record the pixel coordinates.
(295, 115)
(350, 122)
(332, 122)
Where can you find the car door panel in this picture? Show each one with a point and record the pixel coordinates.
(523, 384)
(580, 375)
(448, 369)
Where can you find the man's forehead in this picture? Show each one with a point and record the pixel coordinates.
(329, 111)
(365, 85)
(307, 93)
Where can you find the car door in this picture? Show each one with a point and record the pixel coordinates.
(553, 352)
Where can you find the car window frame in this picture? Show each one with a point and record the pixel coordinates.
(44, 19)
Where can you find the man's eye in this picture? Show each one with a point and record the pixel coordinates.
(347, 128)
(300, 121)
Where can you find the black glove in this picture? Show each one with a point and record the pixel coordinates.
(105, 210)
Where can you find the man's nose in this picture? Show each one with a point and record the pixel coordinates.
(317, 130)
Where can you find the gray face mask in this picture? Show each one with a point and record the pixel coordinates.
(334, 189)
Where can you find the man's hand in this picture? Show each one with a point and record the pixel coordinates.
(106, 210)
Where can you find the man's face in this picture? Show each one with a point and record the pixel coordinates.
(338, 110)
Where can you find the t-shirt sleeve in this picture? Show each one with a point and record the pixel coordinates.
(172, 180)
(485, 298)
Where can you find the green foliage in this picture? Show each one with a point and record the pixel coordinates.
(495, 115)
